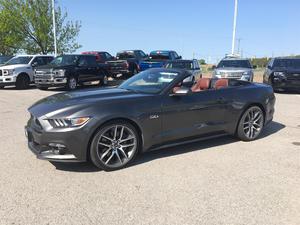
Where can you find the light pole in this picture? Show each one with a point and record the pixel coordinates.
(54, 28)
(234, 26)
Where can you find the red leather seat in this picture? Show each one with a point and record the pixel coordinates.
(222, 83)
(201, 85)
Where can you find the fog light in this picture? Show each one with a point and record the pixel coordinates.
(57, 149)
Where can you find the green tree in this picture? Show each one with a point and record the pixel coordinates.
(202, 62)
(26, 25)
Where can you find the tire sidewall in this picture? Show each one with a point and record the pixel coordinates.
(94, 144)
(22, 82)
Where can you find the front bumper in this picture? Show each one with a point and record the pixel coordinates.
(52, 81)
(7, 80)
(72, 144)
(286, 84)
(121, 71)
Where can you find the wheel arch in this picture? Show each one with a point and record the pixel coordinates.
(99, 126)
(24, 74)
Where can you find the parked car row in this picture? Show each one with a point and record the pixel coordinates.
(69, 71)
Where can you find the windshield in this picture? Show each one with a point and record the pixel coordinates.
(125, 55)
(151, 82)
(235, 63)
(65, 60)
(284, 63)
(180, 65)
(19, 60)
(159, 55)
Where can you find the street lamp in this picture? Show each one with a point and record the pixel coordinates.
(234, 26)
(54, 28)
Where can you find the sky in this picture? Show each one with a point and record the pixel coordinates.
(198, 28)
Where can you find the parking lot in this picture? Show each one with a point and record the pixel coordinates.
(223, 181)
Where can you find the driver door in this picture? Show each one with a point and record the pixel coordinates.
(192, 115)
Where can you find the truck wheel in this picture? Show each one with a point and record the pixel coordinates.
(72, 83)
(22, 82)
(2, 87)
(104, 81)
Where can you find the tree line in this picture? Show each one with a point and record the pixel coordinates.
(26, 26)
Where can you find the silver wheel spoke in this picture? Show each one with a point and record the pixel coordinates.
(127, 139)
(115, 134)
(123, 153)
(105, 153)
(128, 145)
(103, 144)
(118, 156)
(107, 161)
(121, 134)
(107, 138)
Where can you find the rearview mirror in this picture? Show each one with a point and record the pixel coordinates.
(182, 91)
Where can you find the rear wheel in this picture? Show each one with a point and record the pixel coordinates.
(114, 146)
(22, 82)
(251, 124)
(2, 87)
(72, 83)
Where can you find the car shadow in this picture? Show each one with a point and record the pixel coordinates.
(270, 129)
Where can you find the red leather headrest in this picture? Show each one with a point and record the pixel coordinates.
(222, 83)
(204, 83)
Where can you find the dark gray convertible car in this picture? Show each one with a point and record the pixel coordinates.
(151, 110)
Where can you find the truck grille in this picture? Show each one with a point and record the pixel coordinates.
(0, 72)
(293, 77)
(231, 74)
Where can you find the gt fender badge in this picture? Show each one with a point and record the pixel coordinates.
(152, 117)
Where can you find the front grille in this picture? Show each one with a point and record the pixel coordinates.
(231, 74)
(0, 72)
(293, 77)
(44, 77)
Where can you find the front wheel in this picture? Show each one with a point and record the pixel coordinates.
(251, 124)
(114, 146)
(22, 82)
(72, 83)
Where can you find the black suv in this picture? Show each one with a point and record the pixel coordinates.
(69, 71)
(283, 74)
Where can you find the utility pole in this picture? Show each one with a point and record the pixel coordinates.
(234, 26)
(54, 28)
(239, 45)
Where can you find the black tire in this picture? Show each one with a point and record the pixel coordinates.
(2, 87)
(108, 151)
(23, 82)
(251, 124)
(104, 80)
(72, 83)
(43, 88)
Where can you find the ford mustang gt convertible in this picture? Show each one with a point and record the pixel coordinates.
(152, 110)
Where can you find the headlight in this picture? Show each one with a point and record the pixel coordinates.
(8, 72)
(68, 122)
(59, 73)
(279, 74)
(247, 73)
(217, 72)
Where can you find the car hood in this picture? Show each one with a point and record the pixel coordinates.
(15, 66)
(72, 102)
(233, 69)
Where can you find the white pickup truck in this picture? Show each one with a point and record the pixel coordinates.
(19, 71)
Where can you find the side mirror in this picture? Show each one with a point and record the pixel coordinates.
(179, 57)
(34, 64)
(182, 91)
(214, 67)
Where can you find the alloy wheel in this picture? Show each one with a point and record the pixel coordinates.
(116, 145)
(72, 83)
(253, 122)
